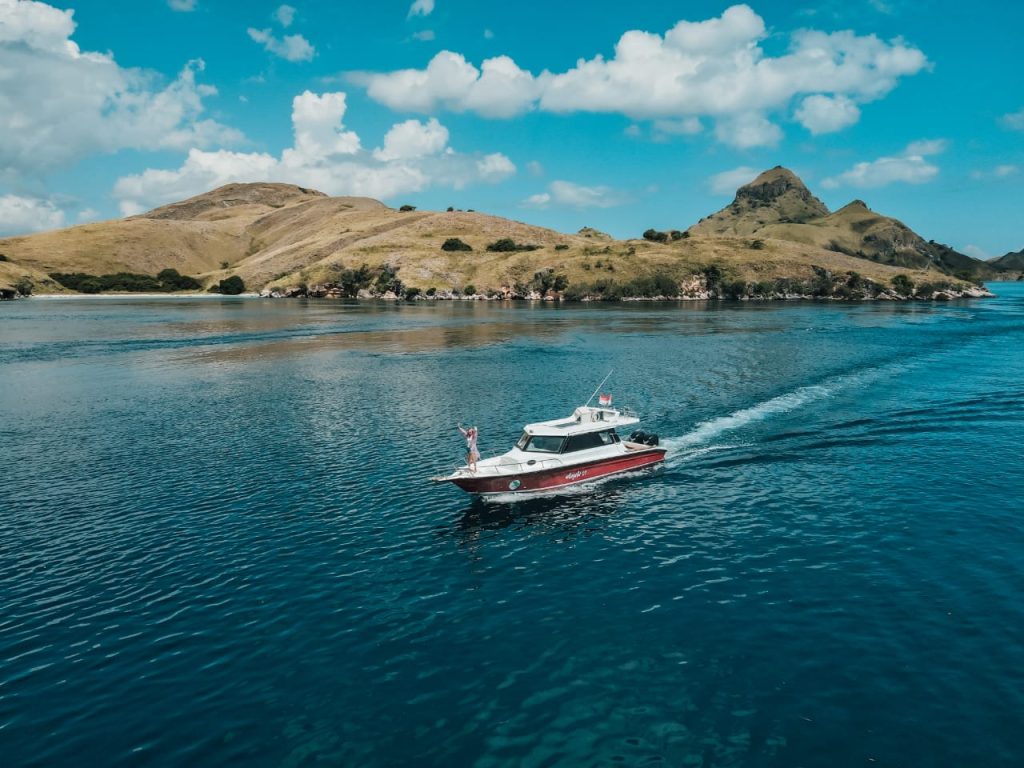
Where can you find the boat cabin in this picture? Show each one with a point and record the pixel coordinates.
(586, 428)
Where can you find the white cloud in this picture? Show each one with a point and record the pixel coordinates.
(535, 168)
(88, 214)
(285, 15)
(686, 127)
(421, 8)
(827, 114)
(318, 127)
(570, 195)
(499, 89)
(714, 68)
(59, 103)
(424, 36)
(748, 130)
(289, 47)
(185, 6)
(976, 252)
(727, 182)
(28, 214)
(999, 172)
(488, 34)
(413, 139)
(910, 167)
(325, 156)
(927, 147)
(1014, 120)
(495, 167)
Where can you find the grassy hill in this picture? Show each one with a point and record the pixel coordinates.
(778, 205)
(776, 239)
(1010, 262)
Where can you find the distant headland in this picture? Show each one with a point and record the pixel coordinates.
(776, 240)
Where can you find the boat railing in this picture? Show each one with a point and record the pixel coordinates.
(511, 468)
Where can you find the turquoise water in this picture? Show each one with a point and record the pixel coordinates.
(218, 543)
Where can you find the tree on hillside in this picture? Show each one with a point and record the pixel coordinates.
(455, 244)
(231, 286)
(903, 285)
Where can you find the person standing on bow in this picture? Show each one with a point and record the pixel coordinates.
(472, 454)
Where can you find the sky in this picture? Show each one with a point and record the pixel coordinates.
(572, 114)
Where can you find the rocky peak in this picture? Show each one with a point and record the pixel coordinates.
(780, 187)
(854, 205)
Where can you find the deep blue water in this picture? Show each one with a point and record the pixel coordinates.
(218, 544)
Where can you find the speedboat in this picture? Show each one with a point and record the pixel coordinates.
(562, 452)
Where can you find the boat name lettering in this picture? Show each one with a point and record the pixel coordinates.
(576, 475)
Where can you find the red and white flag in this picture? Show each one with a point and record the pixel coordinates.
(604, 400)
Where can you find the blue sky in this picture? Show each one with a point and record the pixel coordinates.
(621, 117)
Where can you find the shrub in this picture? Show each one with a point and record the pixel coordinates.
(469, 290)
(450, 209)
(412, 293)
(903, 285)
(655, 236)
(231, 286)
(548, 280)
(407, 208)
(757, 245)
(735, 289)
(675, 234)
(3, 258)
(508, 245)
(24, 286)
(713, 276)
(561, 247)
(172, 281)
(388, 280)
(431, 291)
(168, 280)
(455, 244)
(225, 264)
(351, 281)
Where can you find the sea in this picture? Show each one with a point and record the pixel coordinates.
(220, 544)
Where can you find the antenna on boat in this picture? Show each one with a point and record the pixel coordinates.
(599, 387)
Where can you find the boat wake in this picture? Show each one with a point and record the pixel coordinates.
(708, 430)
(696, 442)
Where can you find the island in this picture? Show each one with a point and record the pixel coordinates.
(774, 241)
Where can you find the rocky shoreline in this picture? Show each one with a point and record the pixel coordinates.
(695, 294)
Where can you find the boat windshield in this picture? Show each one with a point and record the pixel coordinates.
(540, 443)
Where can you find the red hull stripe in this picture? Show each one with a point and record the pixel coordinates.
(556, 478)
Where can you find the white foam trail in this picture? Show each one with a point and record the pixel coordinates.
(708, 430)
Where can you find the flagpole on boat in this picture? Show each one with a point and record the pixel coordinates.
(599, 387)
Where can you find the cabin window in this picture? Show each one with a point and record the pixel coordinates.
(590, 440)
(540, 443)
